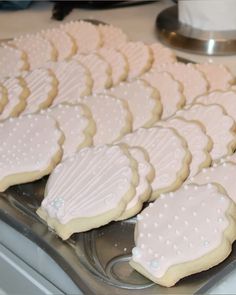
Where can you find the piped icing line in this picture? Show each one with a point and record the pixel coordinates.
(170, 246)
(88, 199)
(31, 148)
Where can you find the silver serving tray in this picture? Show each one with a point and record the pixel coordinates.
(97, 261)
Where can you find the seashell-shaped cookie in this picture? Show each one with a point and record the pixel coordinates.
(219, 127)
(89, 190)
(30, 149)
(168, 154)
(112, 37)
(77, 126)
(143, 101)
(161, 54)
(171, 91)
(111, 115)
(199, 143)
(182, 233)
(3, 97)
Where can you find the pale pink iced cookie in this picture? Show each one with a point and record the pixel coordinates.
(199, 143)
(111, 115)
(30, 149)
(219, 127)
(3, 97)
(77, 126)
(226, 99)
(171, 91)
(168, 154)
(88, 190)
(139, 57)
(118, 63)
(38, 50)
(42, 85)
(12, 61)
(162, 54)
(182, 233)
(143, 101)
(193, 81)
(74, 81)
(112, 37)
(143, 190)
(223, 174)
(17, 93)
(218, 76)
(86, 36)
(63, 42)
(99, 69)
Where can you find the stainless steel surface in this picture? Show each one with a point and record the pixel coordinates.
(97, 261)
(183, 37)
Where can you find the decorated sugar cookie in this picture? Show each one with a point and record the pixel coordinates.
(112, 37)
(218, 76)
(111, 115)
(3, 97)
(143, 101)
(193, 81)
(170, 90)
(168, 154)
(12, 62)
(199, 143)
(143, 190)
(89, 190)
(219, 127)
(74, 81)
(178, 235)
(42, 85)
(77, 126)
(30, 149)
(161, 54)
(118, 63)
(99, 69)
(85, 35)
(139, 57)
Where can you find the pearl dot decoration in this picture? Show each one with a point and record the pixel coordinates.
(184, 249)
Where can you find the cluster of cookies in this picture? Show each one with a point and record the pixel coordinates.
(117, 124)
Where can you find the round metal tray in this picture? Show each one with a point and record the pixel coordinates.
(174, 34)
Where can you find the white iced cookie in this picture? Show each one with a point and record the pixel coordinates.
(12, 62)
(88, 190)
(199, 143)
(168, 154)
(162, 54)
(227, 99)
(118, 63)
(218, 76)
(143, 101)
(143, 190)
(63, 42)
(112, 37)
(219, 127)
(3, 97)
(139, 57)
(77, 126)
(30, 148)
(193, 81)
(111, 116)
(42, 85)
(86, 36)
(182, 233)
(17, 93)
(99, 69)
(74, 81)
(38, 50)
(171, 91)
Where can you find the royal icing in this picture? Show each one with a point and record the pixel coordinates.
(111, 116)
(193, 81)
(143, 101)
(29, 149)
(171, 91)
(168, 155)
(219, 127)
(161, 54)
(112, 37)
(199, 143)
